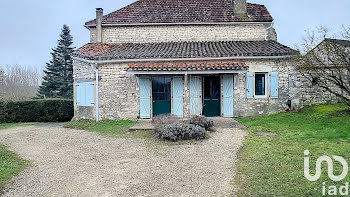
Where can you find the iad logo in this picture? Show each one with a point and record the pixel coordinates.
(330, 190)
(330, 167)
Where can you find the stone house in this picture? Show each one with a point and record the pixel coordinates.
(209, 57)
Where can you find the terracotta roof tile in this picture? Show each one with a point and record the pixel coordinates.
(182, 11)
(188, 66)
(182, 50)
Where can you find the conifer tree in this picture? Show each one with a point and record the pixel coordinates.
(58, 74)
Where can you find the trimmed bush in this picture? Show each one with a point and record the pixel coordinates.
(202, 121)
(177, 132)
(46, 110)
(2, 112)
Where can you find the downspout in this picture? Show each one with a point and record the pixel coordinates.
(95, 67)
(265, 31)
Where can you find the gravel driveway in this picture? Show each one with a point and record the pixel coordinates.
(69, 162)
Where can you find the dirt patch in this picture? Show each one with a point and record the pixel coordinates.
(68, 162)
(265, 134)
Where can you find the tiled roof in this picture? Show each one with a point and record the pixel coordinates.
(345, 43)
(187, 66)
(182, 11)
(178, 50)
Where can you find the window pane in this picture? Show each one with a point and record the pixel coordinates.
(216, 88)
(260, 84)
(207, 93)
(161, 89)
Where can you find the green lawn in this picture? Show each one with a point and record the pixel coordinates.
(274, 166)
(10, 125)
(111, 127)
(10, 165)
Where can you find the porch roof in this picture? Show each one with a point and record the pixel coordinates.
(232, 66)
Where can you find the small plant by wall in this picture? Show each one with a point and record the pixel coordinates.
(171, 128)
(177, 132)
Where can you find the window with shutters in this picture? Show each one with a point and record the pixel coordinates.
(257, 85)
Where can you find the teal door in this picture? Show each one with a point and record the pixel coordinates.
(161, 94)
(211, 94)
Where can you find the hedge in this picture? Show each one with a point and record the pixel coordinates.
(45, 110)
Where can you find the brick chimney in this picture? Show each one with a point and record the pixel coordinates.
(99, 18)
(240, 9)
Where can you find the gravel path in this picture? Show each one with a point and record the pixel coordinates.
(70, 162)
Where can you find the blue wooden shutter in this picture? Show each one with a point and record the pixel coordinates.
(80, 94)
(85, 94)
(145, 97)
(250, 84)
(178, 96)
(195, 95)
(89, 94)
(274, 84)
(228, 95)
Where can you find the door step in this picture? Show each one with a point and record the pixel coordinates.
(142, 125)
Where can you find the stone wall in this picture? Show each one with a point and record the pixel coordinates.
(305, 93)
(82, 72)
(259, 106)
(292, 86)
(119, 94)
(119, 97)
(178, 33)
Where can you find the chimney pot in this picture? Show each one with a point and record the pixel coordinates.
(99, 18)
(240, 9)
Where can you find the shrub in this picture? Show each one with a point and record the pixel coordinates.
(177, 132)
(2, 112)
(47, 110)
(165, 119)
(202, 121)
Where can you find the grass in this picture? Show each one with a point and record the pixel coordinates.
(274, 166)
(10, 125)
(10, 165)
(114, 128)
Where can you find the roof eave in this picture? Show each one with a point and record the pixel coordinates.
(183, 59)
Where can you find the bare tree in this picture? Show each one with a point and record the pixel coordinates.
(325, 61)
(18, 82)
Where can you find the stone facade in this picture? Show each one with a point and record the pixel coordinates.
(83, 72)
(244, 106)
(119, 94)
(178, 33)
(305, 93)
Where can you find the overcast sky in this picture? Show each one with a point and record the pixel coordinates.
(30, 28)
